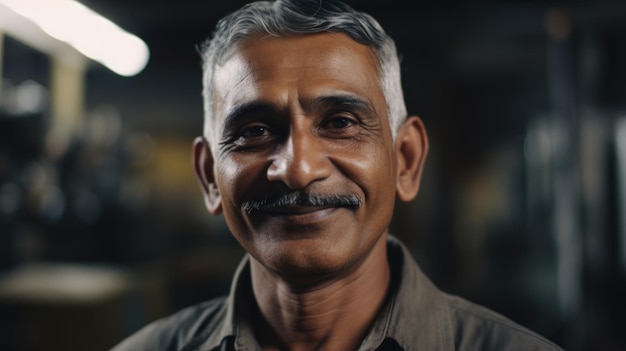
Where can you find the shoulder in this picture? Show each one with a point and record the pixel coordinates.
(478, 328)
(177, 330)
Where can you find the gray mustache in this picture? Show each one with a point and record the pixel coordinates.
(300, 198)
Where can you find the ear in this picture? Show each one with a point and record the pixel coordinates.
(411, 150)
(203, 164)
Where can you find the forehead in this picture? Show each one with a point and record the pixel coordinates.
(281, 69)
(307, 49)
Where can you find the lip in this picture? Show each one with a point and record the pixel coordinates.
(301, 214)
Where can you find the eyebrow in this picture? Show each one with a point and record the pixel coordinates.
(341, 101)
(248, 108)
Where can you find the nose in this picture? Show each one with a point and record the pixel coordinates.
(300, 161)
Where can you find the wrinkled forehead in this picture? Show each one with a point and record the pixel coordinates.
(298, 57)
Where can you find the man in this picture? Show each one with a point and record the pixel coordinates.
(306, 145)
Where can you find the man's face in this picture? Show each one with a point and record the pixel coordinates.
(304, 113)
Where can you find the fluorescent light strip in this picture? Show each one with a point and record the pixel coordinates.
(88, 32)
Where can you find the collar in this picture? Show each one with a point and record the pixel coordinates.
(237, 322)
(415, 316)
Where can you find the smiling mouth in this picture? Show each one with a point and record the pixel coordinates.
(298, 216)
(297, 210)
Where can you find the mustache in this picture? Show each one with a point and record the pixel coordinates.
(301, 198)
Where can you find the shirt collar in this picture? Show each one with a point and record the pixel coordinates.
(238, 318)
(415, 315)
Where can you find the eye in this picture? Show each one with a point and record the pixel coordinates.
(251, 135)
(340, 122)
(254, 131)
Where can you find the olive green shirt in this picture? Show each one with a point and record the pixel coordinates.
(416, 316)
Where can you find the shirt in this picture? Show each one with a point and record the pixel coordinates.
(416, 316)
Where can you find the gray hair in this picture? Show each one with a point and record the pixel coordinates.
(293, 17)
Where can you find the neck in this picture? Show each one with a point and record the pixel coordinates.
(332, 314)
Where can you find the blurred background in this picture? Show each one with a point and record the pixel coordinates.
(522, 206)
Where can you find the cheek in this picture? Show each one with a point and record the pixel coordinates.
(382, 190)
(226, 176)
(237, 176)
(372, 169)
(382, 181)
(235, 180)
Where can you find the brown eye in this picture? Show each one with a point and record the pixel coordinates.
(255, 131)
(340, 122)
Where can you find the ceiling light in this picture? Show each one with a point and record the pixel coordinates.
(88, 32)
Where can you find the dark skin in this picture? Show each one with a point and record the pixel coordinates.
(308, 113)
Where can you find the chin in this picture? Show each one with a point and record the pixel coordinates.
(310, 259)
